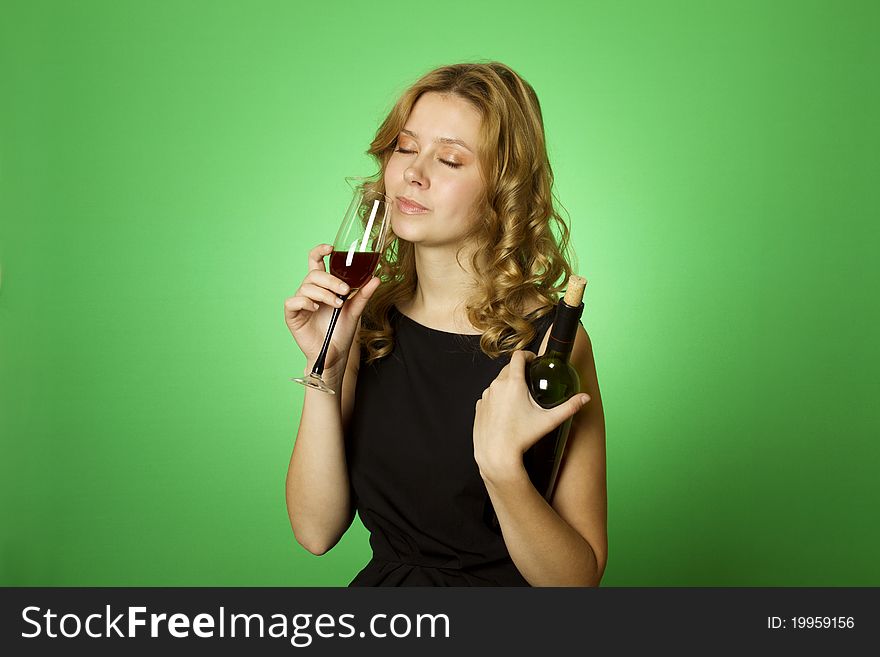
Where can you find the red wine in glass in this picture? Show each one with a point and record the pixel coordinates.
(355, 268)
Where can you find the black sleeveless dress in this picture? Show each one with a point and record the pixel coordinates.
(410, 456)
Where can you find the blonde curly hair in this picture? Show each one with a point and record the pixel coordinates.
(519, 256)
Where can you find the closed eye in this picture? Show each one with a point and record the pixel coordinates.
(405, 151)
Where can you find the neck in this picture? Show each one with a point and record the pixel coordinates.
(443, 286)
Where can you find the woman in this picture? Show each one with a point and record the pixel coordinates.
(433, 415)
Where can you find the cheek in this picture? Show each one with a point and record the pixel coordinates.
(393, 170)
(467, 194)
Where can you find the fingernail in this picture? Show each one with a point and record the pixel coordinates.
(584, 399)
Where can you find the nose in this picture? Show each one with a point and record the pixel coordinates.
(416, 177)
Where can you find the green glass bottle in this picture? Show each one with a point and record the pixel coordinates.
(552, 380)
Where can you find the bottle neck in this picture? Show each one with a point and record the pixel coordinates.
(565, 325)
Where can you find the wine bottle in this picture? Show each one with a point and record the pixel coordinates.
(552, 380)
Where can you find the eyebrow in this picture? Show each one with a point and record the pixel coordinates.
(442, 140)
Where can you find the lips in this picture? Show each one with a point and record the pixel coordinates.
(408, 206)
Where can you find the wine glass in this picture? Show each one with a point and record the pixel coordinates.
(356, 252)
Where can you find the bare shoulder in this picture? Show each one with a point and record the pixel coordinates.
(582, 354)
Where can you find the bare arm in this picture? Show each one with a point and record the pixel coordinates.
(317, 489)
(564, 544)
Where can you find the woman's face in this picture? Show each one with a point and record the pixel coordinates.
(434, 173)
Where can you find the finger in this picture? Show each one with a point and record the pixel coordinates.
(568, 408)
(294, 305)
(320, 294)
(328, 281)
(518, 363)
(316, 257)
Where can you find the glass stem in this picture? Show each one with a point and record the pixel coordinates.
(318, 369)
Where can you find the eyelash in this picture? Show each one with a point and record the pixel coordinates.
(451, 165)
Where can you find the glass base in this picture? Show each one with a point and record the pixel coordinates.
(315, 381)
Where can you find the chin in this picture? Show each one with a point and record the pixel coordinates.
(404, 227)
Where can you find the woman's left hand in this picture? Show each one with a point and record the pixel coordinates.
(508, 421)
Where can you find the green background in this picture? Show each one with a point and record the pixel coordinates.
(166, 166)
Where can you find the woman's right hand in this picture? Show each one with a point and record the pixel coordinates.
(308, 313)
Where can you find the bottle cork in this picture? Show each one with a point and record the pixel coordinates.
(574, 293)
